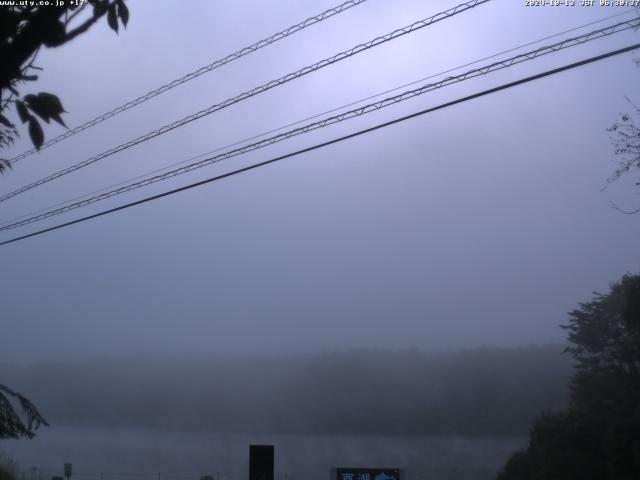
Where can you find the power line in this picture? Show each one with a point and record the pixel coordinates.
(344, 116)
(196, 73)
(333, 141)
(317, 115)
(567, 43)
(257, 90)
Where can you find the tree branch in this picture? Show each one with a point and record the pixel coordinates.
(11, 423)
(74, 14)
(626, 212)
(86, 25)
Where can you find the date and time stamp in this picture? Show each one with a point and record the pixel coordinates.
(527, 3)
(582, 3)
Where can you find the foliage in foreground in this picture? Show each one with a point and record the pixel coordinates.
(11, 423)
(598, 436)
(25, 28)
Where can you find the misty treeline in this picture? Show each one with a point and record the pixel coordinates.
(484, 392)
(598, 436)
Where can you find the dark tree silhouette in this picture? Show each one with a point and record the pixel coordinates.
(598, 437)
(11, 423)
(625, 137)
(24, 30)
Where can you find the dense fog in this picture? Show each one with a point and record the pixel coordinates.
(386, 289)
(446, 415)
(485, 392)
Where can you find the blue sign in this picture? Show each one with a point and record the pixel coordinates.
(367, 474)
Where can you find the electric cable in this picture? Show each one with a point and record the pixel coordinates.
(515, 60)
(333, 141)
(196, 73)
(297, 122)
(255, 91)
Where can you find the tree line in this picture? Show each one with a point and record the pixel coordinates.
(484, 392)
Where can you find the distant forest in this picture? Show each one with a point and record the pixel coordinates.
(483, 392)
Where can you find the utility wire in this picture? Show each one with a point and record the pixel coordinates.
(196, 73)
(333, 141)
(298, 122)
(591, 36)
(257, 90)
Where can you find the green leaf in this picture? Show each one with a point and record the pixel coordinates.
(53, 33)
(47, 106)
(23, 113)
(4, 121)
(123, 12)
(99, 7)
(58, 119)
(112, 18)
(35, 132)
(35, 106)
(52, 106)
(52, 102)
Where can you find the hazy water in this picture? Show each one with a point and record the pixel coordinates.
(143, 454)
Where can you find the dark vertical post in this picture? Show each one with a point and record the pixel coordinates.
(261, 462)
(68, 469)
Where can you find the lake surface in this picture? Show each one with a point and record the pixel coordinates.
(184, 455)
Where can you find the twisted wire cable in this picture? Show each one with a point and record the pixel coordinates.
(196, 73)
(484, 70)
(298, 122)
(257, 90)
(451, 103)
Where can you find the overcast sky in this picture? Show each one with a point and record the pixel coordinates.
(478, 225)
